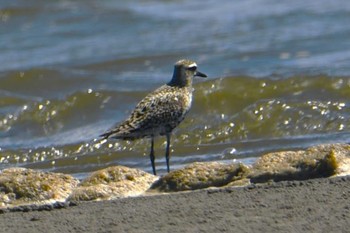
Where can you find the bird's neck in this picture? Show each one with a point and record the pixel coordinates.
(180, 80)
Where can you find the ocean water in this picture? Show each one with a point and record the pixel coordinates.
(279, 79)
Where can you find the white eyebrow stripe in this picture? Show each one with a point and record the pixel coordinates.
(192, 65)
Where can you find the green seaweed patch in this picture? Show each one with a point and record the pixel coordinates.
(90, 193)
(112, 183)
(113, 174)
(20, 185)
(316, 162)
(329, 165)
(201, 175)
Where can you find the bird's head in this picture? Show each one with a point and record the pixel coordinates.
(184, 71)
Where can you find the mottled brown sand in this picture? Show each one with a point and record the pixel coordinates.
(318, 205)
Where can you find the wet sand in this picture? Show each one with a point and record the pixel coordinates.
(318, 205)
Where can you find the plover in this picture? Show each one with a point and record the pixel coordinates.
(160, 111)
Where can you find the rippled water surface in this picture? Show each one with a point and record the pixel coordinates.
(279, 78)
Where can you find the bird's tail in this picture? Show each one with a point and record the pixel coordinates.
(106, 134)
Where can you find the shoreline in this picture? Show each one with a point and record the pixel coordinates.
(313, 205)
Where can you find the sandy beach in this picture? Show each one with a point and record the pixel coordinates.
(317, 205)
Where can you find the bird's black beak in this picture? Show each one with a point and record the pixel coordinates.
(200, 74)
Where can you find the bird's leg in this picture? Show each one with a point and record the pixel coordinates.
(167, 151)
(151, 155)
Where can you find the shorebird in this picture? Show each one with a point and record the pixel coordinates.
(161, 110)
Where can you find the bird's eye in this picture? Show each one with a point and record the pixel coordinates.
(192, 68)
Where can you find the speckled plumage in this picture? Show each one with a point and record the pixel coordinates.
(160, 111)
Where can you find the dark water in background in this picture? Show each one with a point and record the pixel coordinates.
(279, 78)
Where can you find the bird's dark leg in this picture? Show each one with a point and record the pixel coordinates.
(151, 155)
(167, 151)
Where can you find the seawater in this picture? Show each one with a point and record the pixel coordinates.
(69, 70)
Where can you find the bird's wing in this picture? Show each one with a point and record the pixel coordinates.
(160, 107)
